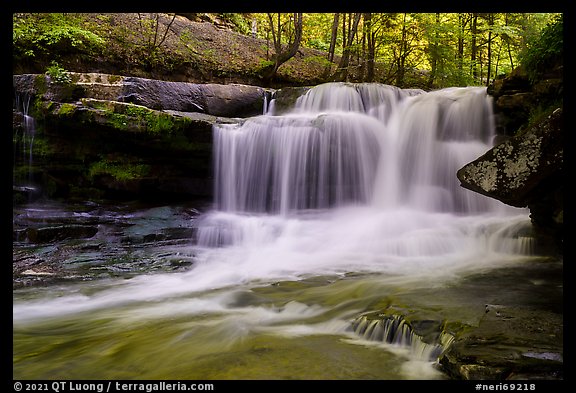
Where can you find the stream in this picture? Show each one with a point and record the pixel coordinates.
(339, 245)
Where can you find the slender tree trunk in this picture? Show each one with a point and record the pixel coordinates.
(342, 70)
(401, 62)
(370, 47)
(461, 30)
(474, 48)
(508, 44)
(434, 53)
(510, 57)
(498, 59)
(332, 47)
(167, 29)
(333, 37)
(490, 36)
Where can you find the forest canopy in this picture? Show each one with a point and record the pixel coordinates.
(441, 49)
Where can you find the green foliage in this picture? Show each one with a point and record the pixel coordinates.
(318, 60)
(46, 34)
(403, 44)
(241, 25)
(58, 74)
(545, 51)
(319, 44)
(118, 170)
(539, 113)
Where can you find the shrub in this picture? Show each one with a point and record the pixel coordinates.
(46, 34)
(58, 74)
(546, 51)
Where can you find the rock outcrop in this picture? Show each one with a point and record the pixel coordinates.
(525, 170)
(516, 97)
(121, 137)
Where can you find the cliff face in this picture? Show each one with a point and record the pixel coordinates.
(108, 136)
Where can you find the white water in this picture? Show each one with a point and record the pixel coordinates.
(357, 179)
(29, 132)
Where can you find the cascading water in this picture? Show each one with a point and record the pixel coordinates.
(391, 151)
(318, 214)
(368, 144)
(25, 144)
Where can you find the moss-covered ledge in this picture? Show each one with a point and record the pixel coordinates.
(121, 116)
(109, 149)
(226, 100)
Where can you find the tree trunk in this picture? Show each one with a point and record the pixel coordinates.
(401, 61)
(434, 53)
(370, 57)
(281, 56)
(490, 36)
(341, 73)
(474, 48)
(332, 48)
(461, 30)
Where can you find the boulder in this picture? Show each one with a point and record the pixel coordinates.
(233, 100)
(525, 171)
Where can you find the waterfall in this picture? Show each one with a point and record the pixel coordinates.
(391, 154)
(282, 164)
(356, 144)
(24, 143)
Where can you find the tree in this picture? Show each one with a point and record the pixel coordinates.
(370, 53)
(404, 49)
(333, 37)
(152, 37)
(349, 31)
(282, 53)
(434, 51)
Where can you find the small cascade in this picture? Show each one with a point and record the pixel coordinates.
(431, 135)
(23, 146)
(265, 105)
(268, 102)
(374, 99)
(395, 330)
(515, 238)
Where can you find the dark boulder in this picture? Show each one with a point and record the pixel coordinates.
(232, 100)
(525, 170)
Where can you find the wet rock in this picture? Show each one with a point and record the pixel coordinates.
(525, 170)
(233, 100)
(117, 137)
(88, 242)
(510, 342)
(512, 170)
(285, 98)
(55, 233)
(520, 336)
